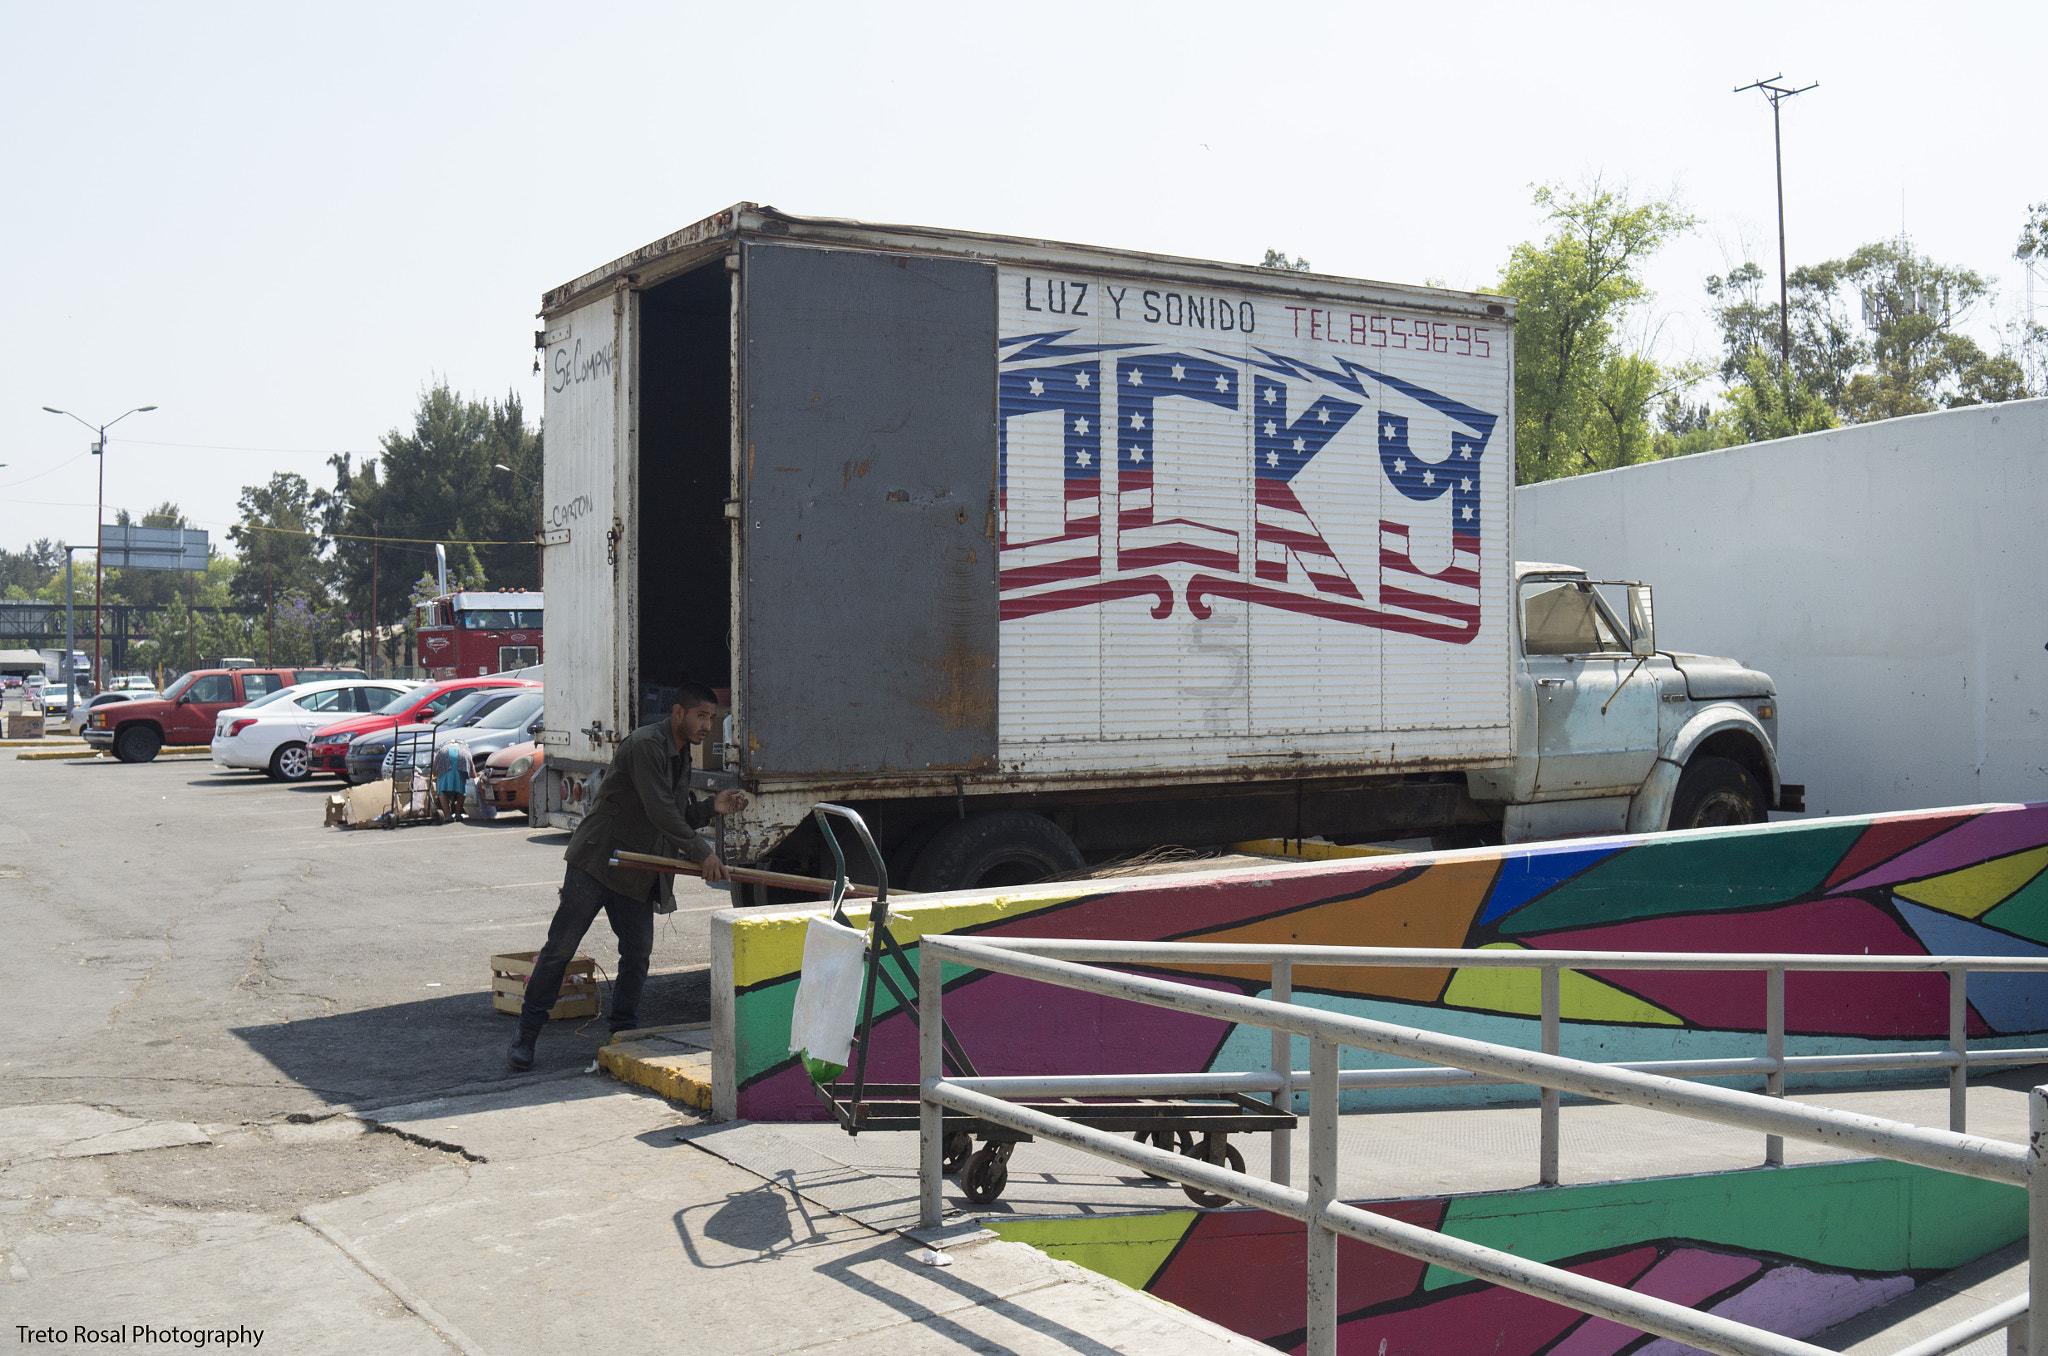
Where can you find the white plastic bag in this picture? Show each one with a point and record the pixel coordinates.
(828, 992)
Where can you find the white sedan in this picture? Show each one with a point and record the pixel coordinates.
(270, 733)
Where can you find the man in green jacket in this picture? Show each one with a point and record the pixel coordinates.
(642, 804)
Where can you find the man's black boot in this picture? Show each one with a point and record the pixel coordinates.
(521, 1054)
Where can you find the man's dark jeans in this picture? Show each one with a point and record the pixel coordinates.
(583, 896)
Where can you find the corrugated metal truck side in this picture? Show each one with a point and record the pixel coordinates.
(1030, 550)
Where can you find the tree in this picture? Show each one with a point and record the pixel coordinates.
(1582, 399)
(25, 573)
(1767, 401)
(1874, 335)
(436, 483)
(2032, 252)
(1279, 259)
(280, 541)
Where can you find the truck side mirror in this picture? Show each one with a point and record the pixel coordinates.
(1642, 626)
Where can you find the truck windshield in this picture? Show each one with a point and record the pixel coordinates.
(177, 689)
(1567, 618)
(500, 619)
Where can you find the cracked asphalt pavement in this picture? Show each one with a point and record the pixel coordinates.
(190, 944)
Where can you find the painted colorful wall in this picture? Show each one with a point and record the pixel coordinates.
(1794, 1250)
(1944, 882)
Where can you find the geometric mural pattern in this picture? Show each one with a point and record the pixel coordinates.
(1791, 1250)
(1946, 882)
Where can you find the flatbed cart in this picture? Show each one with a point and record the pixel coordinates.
(1199, 1127)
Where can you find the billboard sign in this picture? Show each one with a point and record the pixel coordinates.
(152, 548)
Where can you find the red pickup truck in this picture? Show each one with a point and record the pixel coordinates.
(184, 714)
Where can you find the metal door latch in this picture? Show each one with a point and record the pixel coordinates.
(598, 734)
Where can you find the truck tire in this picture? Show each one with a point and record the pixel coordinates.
(290, 763)
(1717, 792)
(1009, 847)
(137, 744)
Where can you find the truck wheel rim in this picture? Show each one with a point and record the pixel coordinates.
(1721, 809)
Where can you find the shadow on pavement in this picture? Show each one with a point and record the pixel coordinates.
(388, 1054)
(762, 1220)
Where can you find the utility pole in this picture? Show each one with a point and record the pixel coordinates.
(99, 449)
(1777, 94)
(376, 634)
(70, 641)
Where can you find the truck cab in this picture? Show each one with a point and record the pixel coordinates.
(1615, 735)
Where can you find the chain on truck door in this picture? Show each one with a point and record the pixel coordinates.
(1596, 709)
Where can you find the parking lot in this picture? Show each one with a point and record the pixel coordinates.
(190, 944)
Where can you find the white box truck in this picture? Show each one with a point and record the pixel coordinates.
(1036, 552)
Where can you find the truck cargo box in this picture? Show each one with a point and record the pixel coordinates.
(957, 515)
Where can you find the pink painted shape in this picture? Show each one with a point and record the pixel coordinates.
(1887, 837)
(1226, 899)
(1821, 1003)
(1794, 1302)
(1009, 1025)
(1488, 1321)
(1687, 1276)
(1993, 833)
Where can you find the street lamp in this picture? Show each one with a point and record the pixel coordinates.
(99, 450)
(540, 578)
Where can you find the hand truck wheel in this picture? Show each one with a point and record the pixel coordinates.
(1219, 1150)
(987, 1173)
(1172, 1141)
(959, 1147)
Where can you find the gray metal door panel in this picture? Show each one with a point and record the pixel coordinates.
(869, 642)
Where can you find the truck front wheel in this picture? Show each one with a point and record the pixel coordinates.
(137, 744)
(1716, 792)
(1009, 847)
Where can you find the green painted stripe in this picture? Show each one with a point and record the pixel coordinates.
(1705, 871)
(1868, 1215)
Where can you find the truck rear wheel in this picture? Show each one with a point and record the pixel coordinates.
(137, 744)
(1009, 847)
(1717, 792)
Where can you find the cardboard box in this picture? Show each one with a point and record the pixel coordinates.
(576, 998)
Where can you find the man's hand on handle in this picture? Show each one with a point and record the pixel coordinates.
(713, 869)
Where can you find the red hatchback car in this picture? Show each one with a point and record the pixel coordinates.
(329, 745)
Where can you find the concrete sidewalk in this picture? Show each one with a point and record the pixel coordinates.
(587, 1212)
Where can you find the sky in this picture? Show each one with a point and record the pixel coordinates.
(279, 224)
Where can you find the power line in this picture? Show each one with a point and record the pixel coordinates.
(352, 536)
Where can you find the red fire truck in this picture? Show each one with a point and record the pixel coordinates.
(463, 635)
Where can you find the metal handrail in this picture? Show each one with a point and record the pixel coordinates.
(1048, 960)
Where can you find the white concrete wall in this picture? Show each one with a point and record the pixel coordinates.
(1893, 578)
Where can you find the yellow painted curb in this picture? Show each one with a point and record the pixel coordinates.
(681, 1077)
(48, 742)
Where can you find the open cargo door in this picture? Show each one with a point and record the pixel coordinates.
(868, 515)
(587, 381)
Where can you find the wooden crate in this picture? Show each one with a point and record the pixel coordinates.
(578, 995)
